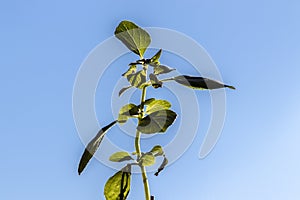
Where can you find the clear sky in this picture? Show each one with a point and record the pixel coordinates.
(255, 45)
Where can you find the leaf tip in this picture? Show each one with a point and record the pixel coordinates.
(231, 87)
(80, 169)
(82, 164)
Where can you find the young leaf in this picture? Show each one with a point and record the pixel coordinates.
(124, 89)
(120, 157)
(154, 81)
(137, 79)
(117, 187)
(200, 82)
(127, 111)
(131, 70)
(147, 159)
(157, 150)
(161, 69)
(157, 105)
(154, 61)
(135, 38)
(162, 166)
(92, 147)
(157, 121)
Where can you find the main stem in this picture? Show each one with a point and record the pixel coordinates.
(138, 147)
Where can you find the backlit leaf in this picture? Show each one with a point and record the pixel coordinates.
(127, 111)
(157, 105)
(147, 159)
(135, 38)
(161, 69)
(157, 121)
(117, 187)
(137, 79)
(120, 157)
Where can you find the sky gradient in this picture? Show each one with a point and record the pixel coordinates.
(255, 45)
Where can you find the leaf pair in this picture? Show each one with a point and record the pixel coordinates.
(154, 62)
(148, 159)
(158, 118)
(157, 67)
(138, 80)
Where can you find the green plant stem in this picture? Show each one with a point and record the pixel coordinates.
(146, 184)
(137, 144)
(138, 148)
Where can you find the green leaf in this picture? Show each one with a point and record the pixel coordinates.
(157, 121)
(162, 166)
(122, 119)
(120, 157)
(155, 59)
(92, 147)
(137, 79)
(124, 89)
(117, 187)
(200, 82)
(154, 81)
(161, 69)
(148, 101)
(157, 105)
(135, 38)
(131, 70)
(147, 159)
(157, 150)
(127, 111)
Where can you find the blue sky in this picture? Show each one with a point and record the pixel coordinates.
(255, 45)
